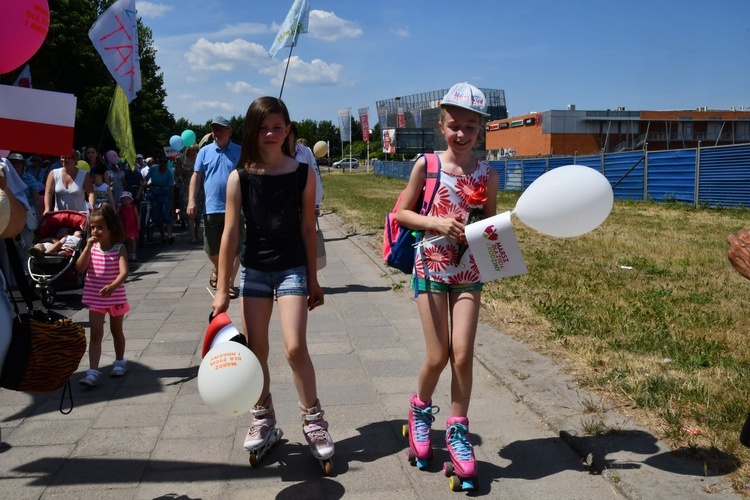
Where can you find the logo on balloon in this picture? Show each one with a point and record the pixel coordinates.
(230, 379)
(490, 233)
(25, 26)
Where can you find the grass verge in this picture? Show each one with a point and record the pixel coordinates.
(645, 311)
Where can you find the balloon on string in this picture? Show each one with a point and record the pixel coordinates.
(176, 142)
(25, 26)
(188, 138)
(83, 165)
(112, 157)
(566, 201)
(320, 149)
(230, 379)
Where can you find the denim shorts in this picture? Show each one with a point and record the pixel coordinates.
(267, 284)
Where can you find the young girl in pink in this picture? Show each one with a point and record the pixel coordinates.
(446, 277)
(105, 262)
(131, 222)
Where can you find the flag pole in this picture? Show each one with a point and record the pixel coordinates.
(285, 70)
(104, 128)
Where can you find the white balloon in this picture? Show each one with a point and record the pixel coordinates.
(566, 201)
(320, 149)
(230, 379)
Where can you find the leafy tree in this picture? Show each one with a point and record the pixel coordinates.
(67, 62)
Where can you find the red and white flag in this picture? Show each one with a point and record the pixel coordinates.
(36, 120)
(364, 121)
(24, 78)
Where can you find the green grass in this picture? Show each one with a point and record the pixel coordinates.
(668, 337)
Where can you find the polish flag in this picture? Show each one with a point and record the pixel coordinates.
(36, 120)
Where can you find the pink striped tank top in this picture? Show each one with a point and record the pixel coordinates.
(104, 267)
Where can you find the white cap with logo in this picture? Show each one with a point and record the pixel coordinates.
(467, 96)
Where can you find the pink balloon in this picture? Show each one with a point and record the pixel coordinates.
(24, 28)
(112, 157)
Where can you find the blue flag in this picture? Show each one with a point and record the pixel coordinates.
(295, 23)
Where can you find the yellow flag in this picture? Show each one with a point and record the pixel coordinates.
(118, 121)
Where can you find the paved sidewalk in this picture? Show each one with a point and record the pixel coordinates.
(148, 435)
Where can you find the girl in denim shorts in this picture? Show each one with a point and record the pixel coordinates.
(276, 195)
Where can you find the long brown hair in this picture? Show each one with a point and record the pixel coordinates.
(259, 109)
(111, 220)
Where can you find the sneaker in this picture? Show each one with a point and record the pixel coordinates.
(120, 368)
(91, 377)
(132, 257)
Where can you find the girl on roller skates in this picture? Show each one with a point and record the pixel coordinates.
(276, 194)
(447, 280)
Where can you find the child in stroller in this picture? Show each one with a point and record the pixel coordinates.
(65, 242)
(61, 236)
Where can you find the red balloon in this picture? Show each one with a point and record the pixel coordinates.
(24, 28)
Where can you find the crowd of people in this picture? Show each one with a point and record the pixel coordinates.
(86, 179)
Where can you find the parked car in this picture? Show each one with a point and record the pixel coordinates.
(322, 162)
(346, 163)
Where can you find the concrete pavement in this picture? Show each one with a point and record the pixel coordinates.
(149, 436)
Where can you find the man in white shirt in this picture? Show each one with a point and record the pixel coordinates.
(304, 154)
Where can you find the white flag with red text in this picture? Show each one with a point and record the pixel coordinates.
(115, 37)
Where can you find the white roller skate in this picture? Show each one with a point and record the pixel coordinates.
(315, 429)
(263, 434)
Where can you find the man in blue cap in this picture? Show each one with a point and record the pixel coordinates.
(213, 165)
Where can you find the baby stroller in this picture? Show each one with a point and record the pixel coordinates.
(45, 268)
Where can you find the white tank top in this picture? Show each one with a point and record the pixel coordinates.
(73, 197)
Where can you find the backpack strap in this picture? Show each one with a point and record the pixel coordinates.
(432, 181)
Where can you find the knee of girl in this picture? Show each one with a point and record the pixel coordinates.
(96, 336)
(463, 361)
(297, 356)
(437, 362)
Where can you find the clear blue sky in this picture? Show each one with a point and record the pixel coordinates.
(545, 54)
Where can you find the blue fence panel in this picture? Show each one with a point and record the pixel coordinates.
(594, 162)
(499, 167)
(532, 169)
(724, 173)
(561, 161)
(396, 169)
(625, 174)
(724, 176)
(671, 176)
